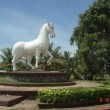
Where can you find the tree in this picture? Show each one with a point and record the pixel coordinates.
(56, 63)
(68, 59)
(92, 36)
(6, 58)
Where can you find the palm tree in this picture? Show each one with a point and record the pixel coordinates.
(57, 61)
(6, 63)
(67, 58)
(6, 58)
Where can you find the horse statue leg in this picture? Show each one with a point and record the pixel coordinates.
(14, 64)
(50, 55)
(29, 60)
(37, 58)
(14, 61)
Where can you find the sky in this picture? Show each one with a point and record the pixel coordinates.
(21, 20)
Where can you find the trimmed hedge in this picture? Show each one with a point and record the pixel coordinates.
(73, 95)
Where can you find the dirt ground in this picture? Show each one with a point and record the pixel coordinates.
(24, 105)
(32, 104)
(78, 84)
(96, 107)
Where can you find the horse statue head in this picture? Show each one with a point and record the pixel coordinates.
(50, 29)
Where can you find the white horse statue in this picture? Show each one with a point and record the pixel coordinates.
(34, 48)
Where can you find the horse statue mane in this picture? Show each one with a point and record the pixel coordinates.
(34, 48)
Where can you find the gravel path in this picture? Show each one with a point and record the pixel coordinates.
(96, 107)
(78, 84)
(32, 104)
(24, 105)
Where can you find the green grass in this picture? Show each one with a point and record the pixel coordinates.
(105, 82)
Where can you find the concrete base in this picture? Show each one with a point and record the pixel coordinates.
(10, 100)
(43, 76)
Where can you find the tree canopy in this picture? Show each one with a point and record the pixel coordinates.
(92, 36)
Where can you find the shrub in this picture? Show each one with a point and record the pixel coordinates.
(107, 82)
(73, 95)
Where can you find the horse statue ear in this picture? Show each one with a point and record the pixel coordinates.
(48, 23)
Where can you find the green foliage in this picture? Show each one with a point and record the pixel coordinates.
(107, 82)
(92, 36)
(57, 61)
(73, 95)
(6, 58)
(6, 64)
(60, 61)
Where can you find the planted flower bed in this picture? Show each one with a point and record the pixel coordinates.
(73, 96)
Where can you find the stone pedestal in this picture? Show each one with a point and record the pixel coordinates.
(38, 77)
